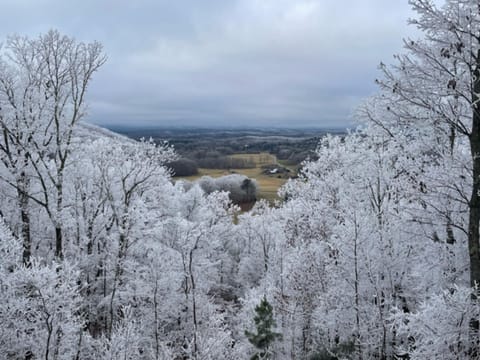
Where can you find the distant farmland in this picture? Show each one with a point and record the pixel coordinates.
(268, 183)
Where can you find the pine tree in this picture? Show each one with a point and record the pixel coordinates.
(264, 336)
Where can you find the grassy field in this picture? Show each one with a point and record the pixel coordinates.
(259, 159)
(268, 184)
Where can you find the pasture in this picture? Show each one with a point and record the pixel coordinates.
(268, 184)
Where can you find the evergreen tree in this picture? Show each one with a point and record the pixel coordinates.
(264, 336)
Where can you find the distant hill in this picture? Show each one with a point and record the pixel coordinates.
(89, 131)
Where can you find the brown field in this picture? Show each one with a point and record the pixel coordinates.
(259, 159)
(268, 185)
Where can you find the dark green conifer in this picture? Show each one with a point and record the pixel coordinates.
(265, 335)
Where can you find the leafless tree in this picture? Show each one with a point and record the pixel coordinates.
(43, 83)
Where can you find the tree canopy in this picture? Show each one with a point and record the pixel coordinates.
(374, 254)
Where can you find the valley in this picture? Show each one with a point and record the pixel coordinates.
(270, 156)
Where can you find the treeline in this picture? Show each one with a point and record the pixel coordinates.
(183, 167)
(187, 166)
(292, 152)
(240, 188)
(224, 162)
(209, 150)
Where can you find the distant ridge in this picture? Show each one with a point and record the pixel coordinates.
(90, 131)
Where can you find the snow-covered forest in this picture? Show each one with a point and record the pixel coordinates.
(373, 254)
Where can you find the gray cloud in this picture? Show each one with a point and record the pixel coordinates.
(225, 62)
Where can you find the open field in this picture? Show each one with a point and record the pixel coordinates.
(268, 185)
(259, 159)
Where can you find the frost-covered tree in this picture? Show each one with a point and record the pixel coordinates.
(111, 208)
(40, 307)
(440, 328)
(430, 98)
(43, 83)
(432, 94)
(195, 237)
(241, 189)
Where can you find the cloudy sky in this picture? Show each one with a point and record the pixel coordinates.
(225, 62)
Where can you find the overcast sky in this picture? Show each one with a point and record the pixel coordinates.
(225, 62)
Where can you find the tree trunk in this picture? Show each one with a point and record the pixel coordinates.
(474, 203)
(194, 303)
(155, 313)
(357, 293)
(58, 242)
(25, 216)
(473, 228)
(58, 227)
(23, 185)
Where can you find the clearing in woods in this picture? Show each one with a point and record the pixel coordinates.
(268, 184)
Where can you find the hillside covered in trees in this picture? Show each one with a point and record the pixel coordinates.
(374, 254)
(212, 148)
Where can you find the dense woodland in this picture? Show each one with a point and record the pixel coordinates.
(197, 143)
(374, 254)
(211, 148)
